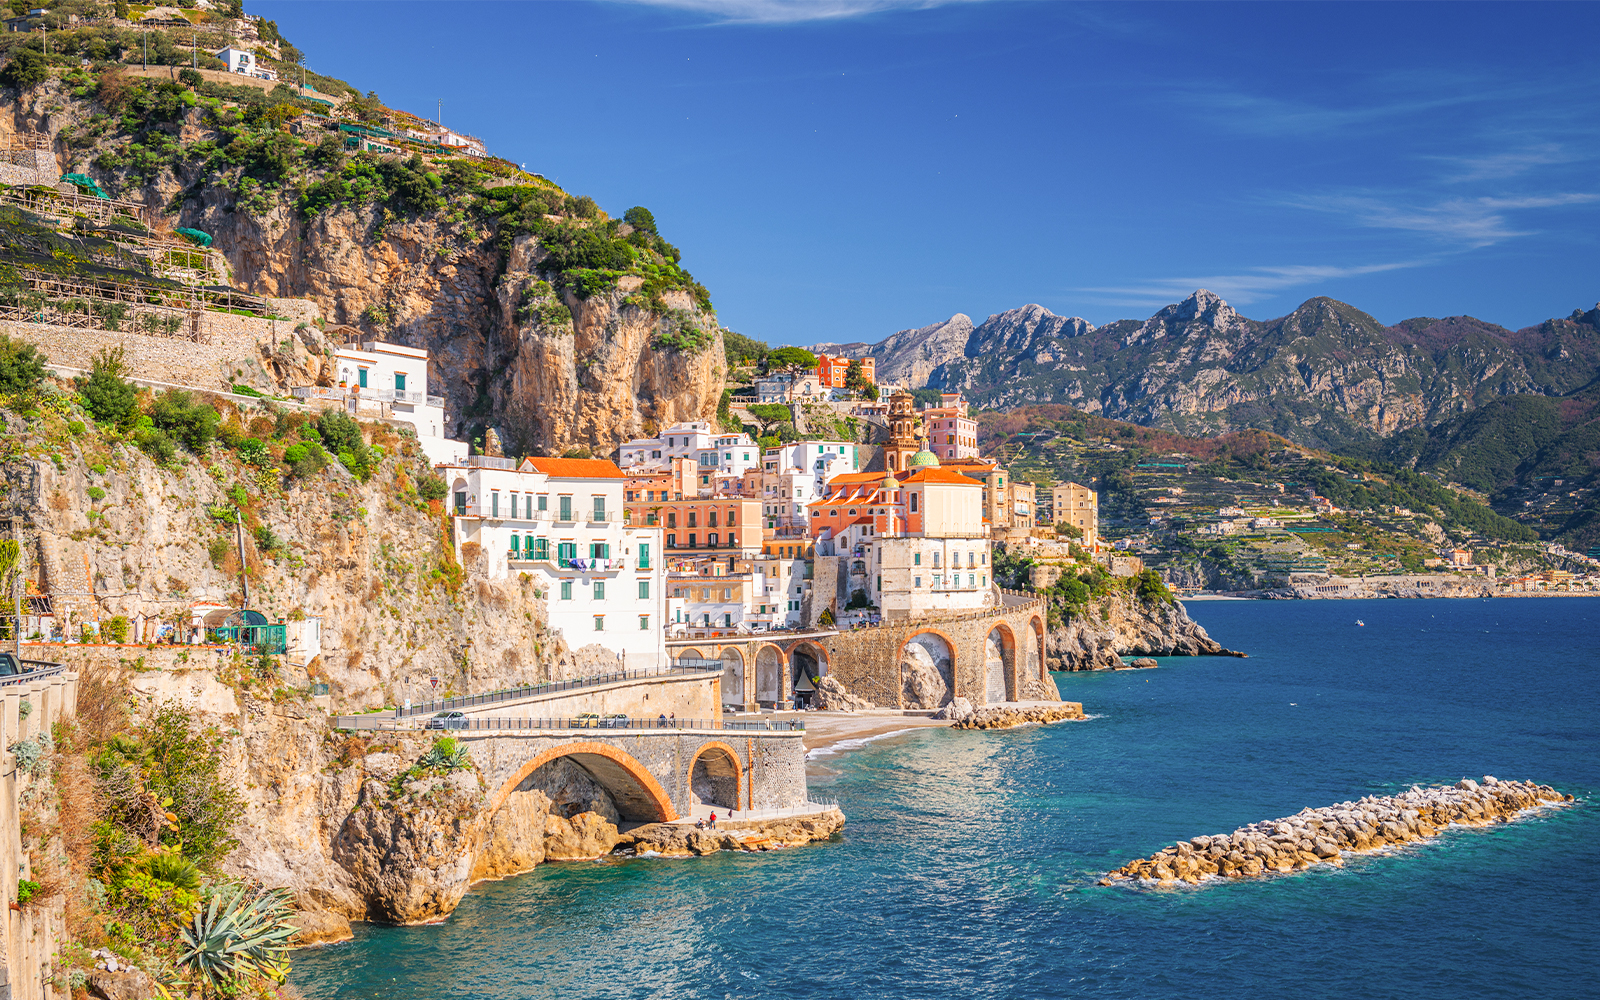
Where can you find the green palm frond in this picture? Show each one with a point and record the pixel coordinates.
(238, 932)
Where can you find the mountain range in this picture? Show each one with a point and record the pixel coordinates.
(1326, 375)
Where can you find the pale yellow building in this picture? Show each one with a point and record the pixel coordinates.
(1078, 506)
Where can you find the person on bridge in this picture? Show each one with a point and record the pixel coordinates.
(713, 823)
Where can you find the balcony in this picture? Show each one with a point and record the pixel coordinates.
(416, 398)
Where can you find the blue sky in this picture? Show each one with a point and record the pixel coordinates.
(839, 170)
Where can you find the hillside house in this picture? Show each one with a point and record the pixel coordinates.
(563, 522)
(243, 62)
(951, 432)
(390, 381)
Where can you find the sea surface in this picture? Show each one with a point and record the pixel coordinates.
(968, 868)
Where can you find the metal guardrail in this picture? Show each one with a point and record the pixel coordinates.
(33, 670)
(550, 687)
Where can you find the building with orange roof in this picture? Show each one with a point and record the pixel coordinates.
(563, 522)
(906, 542)
(832, 371)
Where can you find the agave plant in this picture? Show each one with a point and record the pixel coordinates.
(238, 931)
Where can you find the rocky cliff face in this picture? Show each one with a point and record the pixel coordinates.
(1122, 625)
(442, 279)
(1326, 374)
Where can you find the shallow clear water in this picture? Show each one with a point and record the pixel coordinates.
(969, 863)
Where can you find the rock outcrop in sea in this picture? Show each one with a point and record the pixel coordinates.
(1011, 716)
(1315, 836)
(1122, 625)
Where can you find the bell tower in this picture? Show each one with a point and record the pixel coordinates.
(902, 443)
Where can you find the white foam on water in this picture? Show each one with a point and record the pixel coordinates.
(854, 744)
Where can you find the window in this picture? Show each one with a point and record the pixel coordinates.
(727, 621)
(599, 590)
(727, 593)
(733, 516)
(644, 623)
(599, 623)
(916, 559)
(644, 558)
(544, 501)
(705, 594)
(672, 519)
(691, 518)
(599, 550)
(644, 590)
(916, 581)
(599, 508)
(711, 540)
(400, 381)
(983, 579)
(540, 547)
(513, 506)
(566, 590)
(936, 559)
(691, 540)
(969, 579)
(936, 578)
(565, 504)
(655, 454)
(361, 377)
(672, 541)
(494, 503)
(733, 540)
(461, 502)
(513, 545)
(711, 520)
(566, 552)
(913, 503)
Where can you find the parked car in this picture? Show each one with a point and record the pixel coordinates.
(617, 721)
(448, 720)
(587, 720)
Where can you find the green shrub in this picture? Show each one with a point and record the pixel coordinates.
(26, 890)
(156, 444)
(183, 418)
(190, 78)
(28, 68)
(339, 431)
(432, 487)
(116, 629)
(22, 367)
(641, 219)
(96, 494)
(305, 459)
(218, 550)
(77, 428)
(108, 397)
(266, 541)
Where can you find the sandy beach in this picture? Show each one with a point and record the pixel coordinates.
(827, 730)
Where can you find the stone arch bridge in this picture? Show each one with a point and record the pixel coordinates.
(986, 657)
(654, 775)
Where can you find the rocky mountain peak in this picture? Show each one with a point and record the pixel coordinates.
(1203, 306)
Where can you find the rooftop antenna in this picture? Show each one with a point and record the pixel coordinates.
(441, 113)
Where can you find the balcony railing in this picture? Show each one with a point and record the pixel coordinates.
(490, 462)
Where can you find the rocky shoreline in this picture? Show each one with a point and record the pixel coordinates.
(681, 840)
(1317, 836)
(1005, 717)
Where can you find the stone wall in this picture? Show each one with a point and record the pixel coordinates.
(32, 933)
(232, 344)
(641, 698)
(30, 167)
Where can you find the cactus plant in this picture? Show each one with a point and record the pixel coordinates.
(238, 932)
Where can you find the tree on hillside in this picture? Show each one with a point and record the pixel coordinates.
(791, 360)
(640, 219)
(109, 398)
(855, 376)
(770, 415)
(871, 391)
(741, 350)
(26, 69)
(21, 365)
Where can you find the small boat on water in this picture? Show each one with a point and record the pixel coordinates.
(1360, 622)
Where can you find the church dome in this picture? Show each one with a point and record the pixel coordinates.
(923, 459)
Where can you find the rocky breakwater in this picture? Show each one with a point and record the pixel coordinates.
(1316, 836)
(1123, 625)
(1012, 716)
(682, 840)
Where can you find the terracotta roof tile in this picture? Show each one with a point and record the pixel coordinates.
(946, 476)
(578, 468)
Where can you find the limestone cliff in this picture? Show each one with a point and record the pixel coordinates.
(430, 253)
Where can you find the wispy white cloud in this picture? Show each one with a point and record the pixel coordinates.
(1241, 288)
(1467, 222)
(1500, 166)
(791, 11)
(1254, 113)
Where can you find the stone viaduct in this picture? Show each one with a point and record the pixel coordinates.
(654, 776)
(986, 656)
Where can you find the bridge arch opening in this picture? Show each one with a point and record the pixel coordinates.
(715, 776)
(634, 792)
(732, 676)
(769, 676)
(927, 670)
(808, 663)
(1000, 665)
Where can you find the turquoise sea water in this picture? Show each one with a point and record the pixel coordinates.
(969, 863)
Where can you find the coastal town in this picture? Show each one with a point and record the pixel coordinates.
(380, 519)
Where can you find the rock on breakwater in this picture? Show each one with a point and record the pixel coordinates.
(1314, 836)
(680, 840)
(1010, 717)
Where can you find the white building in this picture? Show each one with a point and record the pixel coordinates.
(713, 454)
(793, 475)
(562, 521)
(243, 61)
(391, 381)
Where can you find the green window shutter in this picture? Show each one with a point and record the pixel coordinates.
(544, 501)
(644, 555)
(599, 590)
(566, 551)
(566, 590)
(599, 508)
(513, 506)
(644, 623)
(399, 382)
(566, 508)
(494, 504)
(644, 590)
(599, 623)
(461, 503)
(541, 548)
(513, 543)
(361, 377)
